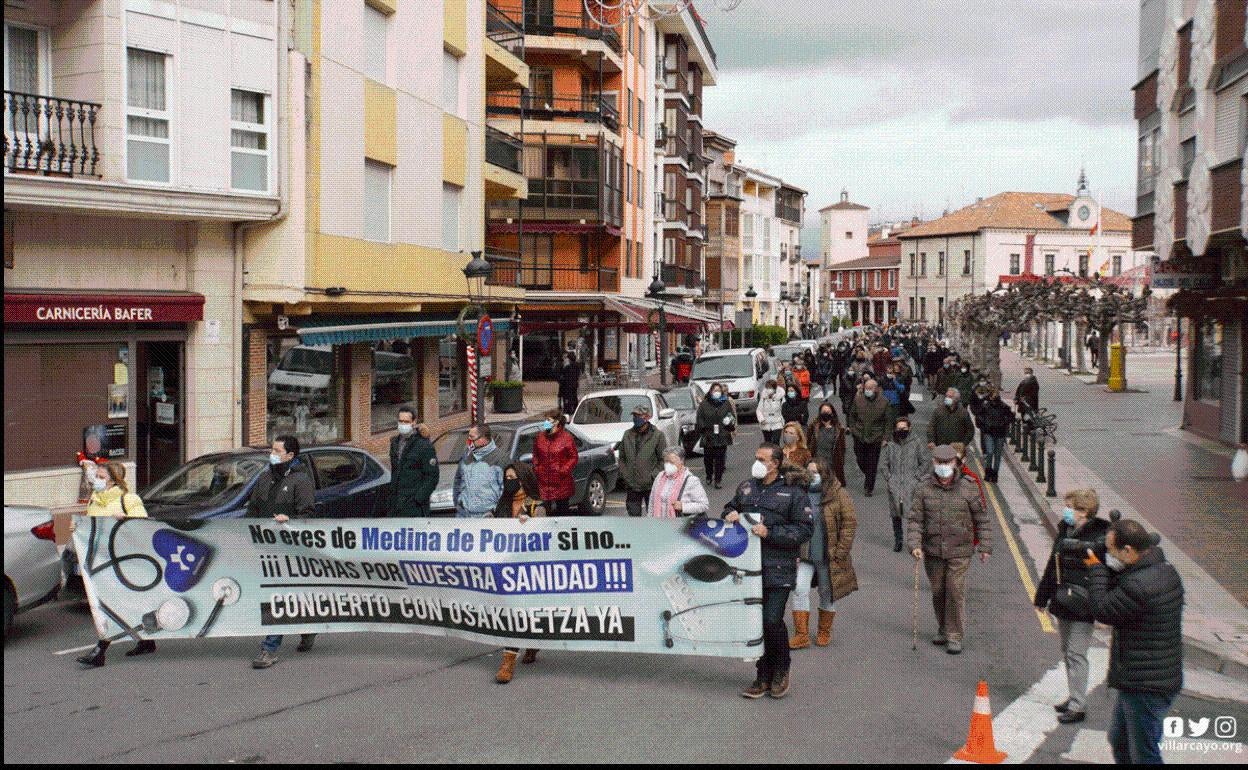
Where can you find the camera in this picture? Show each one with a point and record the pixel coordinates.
(1077, 546)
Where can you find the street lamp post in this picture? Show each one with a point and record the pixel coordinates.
(1178, 357)
(752, 296)
(656, 291)
(477, 271)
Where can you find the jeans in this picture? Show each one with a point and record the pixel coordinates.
(1075, 636)
(636, 502)
(775, 661)
(801, 592)
(273, 641)
(1135, 731)
(993, 448)
(713, 460)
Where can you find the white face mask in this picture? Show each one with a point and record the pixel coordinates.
(944, 471)
(758, 470)
(1114, 563)
(815, 480)
(99, 484)
(948, 401)
(670, 469)
(406, 428)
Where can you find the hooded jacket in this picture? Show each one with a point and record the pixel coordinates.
(290, 492)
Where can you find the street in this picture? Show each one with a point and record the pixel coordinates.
(409, 698)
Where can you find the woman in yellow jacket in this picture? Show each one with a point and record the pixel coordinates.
(112, 497)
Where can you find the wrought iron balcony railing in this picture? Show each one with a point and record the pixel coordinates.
(677, 277)
(50, 135)
(502, 29)
(538, 21)
(593, 108)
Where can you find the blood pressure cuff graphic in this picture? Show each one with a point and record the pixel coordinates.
(185, 558)
(725, 539)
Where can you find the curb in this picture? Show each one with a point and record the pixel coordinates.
(1195, 653)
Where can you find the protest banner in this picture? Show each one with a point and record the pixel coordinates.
(631, 585)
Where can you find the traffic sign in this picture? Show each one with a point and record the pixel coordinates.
(485, 335)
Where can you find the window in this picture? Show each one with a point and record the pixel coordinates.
(940, 263)
(1117, 268)
(877, 279)
(450, 83)
(541, 85)
(377, 201)
(641, 117)
(628, 259)
(766, 233)
(747, 231)
(637, 186)
(451, 365)
(394, 381)
(839, 277)
(853, 281)
(450, 216)
(628, 34)
(334, 468)
(940, 308)
(147, 121)
(1015, 268)
(25, 69)
(1189, 156)
(628, 106)
(1050, 264)
(249, 141)
(628, 183)
(1083, 265)
(536, 261)
(966, 262)
(1148, 155)
(923, 263)
(1207, 366)
(305, 391)
(375, 23)
(923, 308)
(912, 308)
(911, 265)
(892, 279)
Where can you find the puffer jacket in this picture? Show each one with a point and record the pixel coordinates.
(1073, 570)
(554, 459)
(641, 457)
(112, 502)
(768, 411)
(292, 494)
(788, 516)
(794, 410)
(833, 534)
(904, 465)
(1145, 608)
(946, 522)
(710, 423)
(479, 481)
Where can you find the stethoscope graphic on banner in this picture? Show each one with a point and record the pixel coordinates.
(186, 560)
(706, 568)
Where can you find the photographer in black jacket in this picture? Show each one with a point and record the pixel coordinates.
(1140, 595)
(1063, 591)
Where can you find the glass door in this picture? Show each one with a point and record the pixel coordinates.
(160, 413)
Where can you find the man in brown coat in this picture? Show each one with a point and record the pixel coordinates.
(947, 522)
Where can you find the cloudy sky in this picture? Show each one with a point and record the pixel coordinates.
(916, 106)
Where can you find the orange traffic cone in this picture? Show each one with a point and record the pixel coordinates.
(979, 744)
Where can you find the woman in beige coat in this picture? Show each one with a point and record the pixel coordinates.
(825, 558)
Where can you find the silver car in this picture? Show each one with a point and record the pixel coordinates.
(686, 399)
(32, 567)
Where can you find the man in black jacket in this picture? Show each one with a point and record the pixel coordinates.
(413, 468)
(286, 492)
(786, 522)
(1027, 394)
(1144, 605)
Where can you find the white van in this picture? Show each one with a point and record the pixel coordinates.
(744, 371)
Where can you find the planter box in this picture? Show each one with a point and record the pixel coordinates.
(508, 400)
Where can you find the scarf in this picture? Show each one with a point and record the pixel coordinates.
(666, 490)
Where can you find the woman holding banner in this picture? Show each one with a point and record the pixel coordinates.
(520, 500)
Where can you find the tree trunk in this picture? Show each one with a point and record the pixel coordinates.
(1079, 343)
(1102, 371)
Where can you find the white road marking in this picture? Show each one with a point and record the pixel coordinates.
(1092, 747)
(1026, 723)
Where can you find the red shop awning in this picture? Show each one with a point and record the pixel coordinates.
(102, 307)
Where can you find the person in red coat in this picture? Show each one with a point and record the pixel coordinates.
(554, 458)
(880, 361)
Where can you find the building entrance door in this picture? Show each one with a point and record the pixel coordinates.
(160, 410)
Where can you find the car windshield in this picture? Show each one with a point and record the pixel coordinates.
(206, 480)
(680, 400)
(786, 352)
(607, 409)
(307, 360)
(450, 446)
(725, 367)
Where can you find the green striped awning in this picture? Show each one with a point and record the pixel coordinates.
(339, 331)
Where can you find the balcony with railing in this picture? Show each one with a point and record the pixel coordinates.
(551, 23)
(676, 83)
(592, 108)
(505, 68)
(503, 149)
(505, 263)
(545, 276)
(680, 277)
(568, 181)
(51, 136)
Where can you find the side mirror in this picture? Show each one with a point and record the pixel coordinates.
(667, 414)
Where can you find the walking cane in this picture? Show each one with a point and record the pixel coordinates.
(914, 610)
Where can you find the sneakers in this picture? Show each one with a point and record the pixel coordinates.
(305, 642)
(1070, 717)
(780, 686)
(940, 638)
(265, 659)
(756, 690)
(954, 647)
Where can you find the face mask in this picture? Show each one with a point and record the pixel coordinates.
(944, 471)
(869, 393)
(815, 481)
(548, 426)
(718, 396)
(99, 484)
(638, 422)
(406, 428)
(792, 394)
(948, 401)
(275, 459)
(771, 391)
(1114, 563)
(825, 416)
(758, 470)
(670, 469)
(965, 370)
(511, 486)
(901, 435)
(1068, 516)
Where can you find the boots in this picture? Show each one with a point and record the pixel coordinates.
(507, 668)
(142, 648)
(801, 624)
(824, 637)
(96, 657)
(530, 656)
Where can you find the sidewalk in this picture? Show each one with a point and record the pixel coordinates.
(1126, 446)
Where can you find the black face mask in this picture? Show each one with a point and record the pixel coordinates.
(511, 486)
(825, 416)
(901, 435)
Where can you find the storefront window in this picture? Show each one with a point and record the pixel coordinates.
(394, 381)
(304, 391)
(451, 377)
(62, 399)
(1208, 364)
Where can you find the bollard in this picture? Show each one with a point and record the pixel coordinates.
(1040, 460)
(1013, 437)
(1021, 448)
(1031, 455)
(1052, 490)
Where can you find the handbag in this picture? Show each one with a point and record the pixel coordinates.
(1072, 601)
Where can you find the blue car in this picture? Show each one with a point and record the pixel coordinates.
(350, 483)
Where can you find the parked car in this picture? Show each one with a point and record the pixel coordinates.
(744, 371)
(32, 567)
(597, 468)
(783, 354)
(350, 483)
(685, 399)
(604, 416)
(303, 377)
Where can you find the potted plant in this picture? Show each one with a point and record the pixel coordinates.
(508, 396)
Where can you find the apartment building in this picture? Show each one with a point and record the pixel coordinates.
(141, 140)
(760, 244)
(1191, 104)
(868, 287)
(725, 185)
(351, 302)
(794, 297)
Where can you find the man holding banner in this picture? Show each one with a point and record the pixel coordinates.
(781, 516)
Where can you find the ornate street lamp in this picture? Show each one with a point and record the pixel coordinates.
(655, 291)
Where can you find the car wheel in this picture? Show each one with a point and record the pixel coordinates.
(595, 502)
(10, 608)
